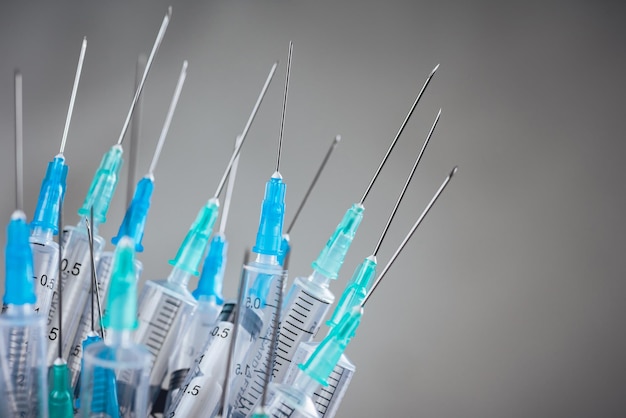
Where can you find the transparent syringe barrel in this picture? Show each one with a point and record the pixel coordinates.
(301, 318)
(103, 275)
(105, 366)
(201, 327)
(23, 368)
(202, 389)
(75, 282)
(262, 297)
(46, 269)
(164, 310)
(327, 398)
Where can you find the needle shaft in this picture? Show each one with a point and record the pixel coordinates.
(155, 48)
(282, 119)
(317, 176)
(406, 185)
(79, 70)
(408, 236)
(19, 142)
(395, 139)
(168, 118)
(245, 130)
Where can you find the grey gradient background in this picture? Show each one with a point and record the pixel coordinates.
(508, 302)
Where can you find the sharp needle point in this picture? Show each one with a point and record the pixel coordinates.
(155, 48)
(19, 142)
(282, 119)
(315, 178)
(168, 118)
(395, 139)
(79, 70)
(255, 109)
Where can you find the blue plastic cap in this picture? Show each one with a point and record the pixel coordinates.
(19, 286)
(51, 196)
(285, 248)
(268, 238)
(212, 278)
(136, 215)
(331, 258)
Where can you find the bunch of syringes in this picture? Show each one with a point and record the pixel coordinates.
(77, 337)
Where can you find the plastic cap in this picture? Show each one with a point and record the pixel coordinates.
(121, 313)
(334, 253)
(192, 249)
(19, 285)
(212, 278)
(325, 357)
(268, 238)
(355, 291)
(51, 196)
(136, 215)
(103, 185)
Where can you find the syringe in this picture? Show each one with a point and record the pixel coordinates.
(285, 245)
(206, 384)
(44, 224)
(76, 273)
(209, 297)
(23, 370)
(60, 397)
(166, 305)
(266, 277)
(132, 226)
(117, 358)
(328, 365)
(309, 298)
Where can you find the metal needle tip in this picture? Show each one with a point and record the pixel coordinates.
(19, 141)
(168, 118)
(155, 48)
(312, 185)
(395, 139)
(282, 119)
(79, 70)
(270, 76)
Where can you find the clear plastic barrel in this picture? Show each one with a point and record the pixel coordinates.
(201, 393)
(46, 269)
(75, 282)
(23, 368)
(164, 311)
(202, 326)
(303, 314)
(262, 297)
